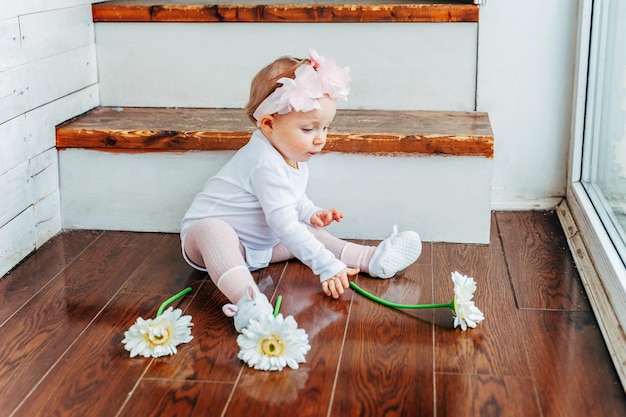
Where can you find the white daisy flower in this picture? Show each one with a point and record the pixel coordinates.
(159, 336)
(270, 343)
(464, 286)
(466, 314)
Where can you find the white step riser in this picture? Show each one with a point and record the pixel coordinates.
(442, 198)
(408, 66)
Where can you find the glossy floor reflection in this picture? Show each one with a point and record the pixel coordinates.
(539, 351)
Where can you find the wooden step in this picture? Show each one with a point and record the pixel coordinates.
(374, 132)
(295, 11)
(139, 168)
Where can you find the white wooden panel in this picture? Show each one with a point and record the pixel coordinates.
(15, 190)
(41, 122)
(57, 31)
(59, 75)
(47, 214)
(14, 8)
(442, 198)
(17, 239)
(10, 50)
(13, 147)
(35, 6)
(66, 81)
(44, 172)
(12, 86)
(394, 66)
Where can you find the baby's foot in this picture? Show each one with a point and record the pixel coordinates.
(395, 253)
(251, 306)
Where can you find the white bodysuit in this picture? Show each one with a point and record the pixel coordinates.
(264, 200)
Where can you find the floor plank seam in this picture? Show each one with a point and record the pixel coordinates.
(280, 279)
(506, 260)
(132, 391)
(505, 375)
(43, 287)
(516, 311)
(559, 310)
(340, 358)
(207, 381)
(232, 392)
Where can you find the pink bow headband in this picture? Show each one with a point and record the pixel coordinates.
(311, 82)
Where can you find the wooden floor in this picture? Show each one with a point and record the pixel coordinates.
(539, 352)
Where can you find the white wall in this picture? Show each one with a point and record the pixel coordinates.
(525, 81)
(47, 75)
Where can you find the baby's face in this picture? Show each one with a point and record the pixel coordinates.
(298, 136)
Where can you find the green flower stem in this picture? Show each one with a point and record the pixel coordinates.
(279, 301)
(372, 297)
(172, 299)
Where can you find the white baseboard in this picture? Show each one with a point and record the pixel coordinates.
(601, 302)
(547, 203)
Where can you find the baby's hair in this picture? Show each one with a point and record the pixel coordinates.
(264, 83)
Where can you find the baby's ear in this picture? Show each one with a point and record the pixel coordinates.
(230, 310)
(266, 122)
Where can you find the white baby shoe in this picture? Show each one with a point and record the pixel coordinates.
(251, 306)
(395, 253)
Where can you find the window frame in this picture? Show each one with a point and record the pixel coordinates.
(601, 268)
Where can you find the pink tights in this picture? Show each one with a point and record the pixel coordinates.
(213, 244)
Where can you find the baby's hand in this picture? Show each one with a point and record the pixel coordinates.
(334, 285)
(325, 217)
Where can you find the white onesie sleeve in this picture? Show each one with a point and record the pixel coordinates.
(284, 209)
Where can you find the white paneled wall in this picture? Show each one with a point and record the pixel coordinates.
(48, 74)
